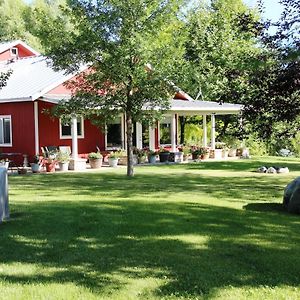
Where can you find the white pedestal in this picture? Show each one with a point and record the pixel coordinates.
(78, 164)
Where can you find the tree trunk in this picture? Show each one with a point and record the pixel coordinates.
(182, 120)
(129, 145)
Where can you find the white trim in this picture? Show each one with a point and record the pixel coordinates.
(36, 126)
(10, 128)
(68, 137)
(173, 133)
(139, 135)
(123, 132)
(204, 131)
(74, 137)
(151, 138)
(213, 132)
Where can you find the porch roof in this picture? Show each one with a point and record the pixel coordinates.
(204, 107)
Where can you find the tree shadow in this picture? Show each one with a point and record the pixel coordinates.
(117, 228)
(266, 207)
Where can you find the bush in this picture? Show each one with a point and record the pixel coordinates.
(95, 155)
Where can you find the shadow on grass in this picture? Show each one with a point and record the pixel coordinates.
(269, 207)
(128, 227)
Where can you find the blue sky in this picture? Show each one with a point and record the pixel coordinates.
(273, 8)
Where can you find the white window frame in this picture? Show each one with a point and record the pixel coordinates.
(14, 54)
(123, 142)
(10, 129)
(68, 137)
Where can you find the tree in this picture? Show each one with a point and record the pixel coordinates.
(222, 51)
(119, 40)
(274, 104)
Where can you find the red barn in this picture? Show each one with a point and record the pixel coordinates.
(34, 86)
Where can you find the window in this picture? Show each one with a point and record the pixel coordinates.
(5, 131)
(165, 131)
(14, 52)
(114, 134)
(65, 129)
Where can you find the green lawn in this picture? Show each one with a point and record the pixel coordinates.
(198, 231)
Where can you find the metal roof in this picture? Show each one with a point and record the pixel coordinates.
(31, 78)
(204, 107)
(4, 46)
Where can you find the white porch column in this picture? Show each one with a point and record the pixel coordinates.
(204, 131)
(74, 138)
(213, 132)
(173, 133)
(36, 128)
(139, 135)
(151, 138)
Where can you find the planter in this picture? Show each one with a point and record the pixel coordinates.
(205, 156)
(95, 163)
(4, 164)
(123, 160)
(152, 159)
(164, 156)
(232, 153)
(35, 168)
(176, 157)
(186, 157)
(218, 153)
(113, 162)
(22, 171)
(63, 166)
(141, 159)
(50, 167)
(196, 156)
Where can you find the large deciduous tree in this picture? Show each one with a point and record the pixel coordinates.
(274, 105)
(132, 48)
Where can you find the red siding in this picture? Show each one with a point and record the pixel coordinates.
(22, 51)
(22, 118)
(49, 133)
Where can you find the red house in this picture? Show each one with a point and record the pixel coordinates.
(34, 86)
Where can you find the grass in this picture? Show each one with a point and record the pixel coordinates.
(212, 230)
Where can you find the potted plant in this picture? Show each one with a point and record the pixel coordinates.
(204, 153)
(141, 155)
(4, 163)
(50, 162)
(152, 156)
(63, 159)
(218, 151)
(186, 152)
(113, 159)
(95, 160)
(164, 155)
(36, 164)
(122, 156)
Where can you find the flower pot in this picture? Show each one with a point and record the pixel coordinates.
(232, 152)
(205, 156)
(141, 159)
(152, 159)
(164, 156)
(63, 166)
(95, 163)
(4, 164)
(195, 156)
(123, 160)
(22, 171)
(113, 162)
(218, 153)
(50, 167)
(35, 168)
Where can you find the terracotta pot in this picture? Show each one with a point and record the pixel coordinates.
(50, 167)
(96, 163)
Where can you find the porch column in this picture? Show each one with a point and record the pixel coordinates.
(213, 132)
(36, 128)
(204, 131)
(173, 133)
(151, 138)
(74, 138)
(139, 135)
